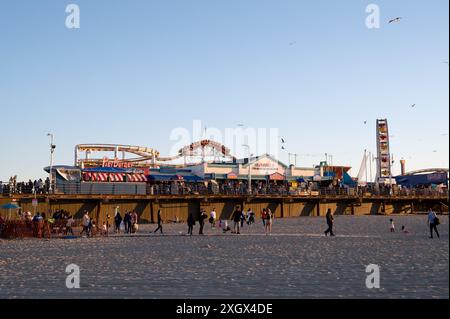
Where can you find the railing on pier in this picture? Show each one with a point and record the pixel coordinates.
(174, 189)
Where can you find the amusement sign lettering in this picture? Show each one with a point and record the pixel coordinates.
(116, 163)
(265, 166)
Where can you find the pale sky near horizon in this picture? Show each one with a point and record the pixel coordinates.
(136, 70)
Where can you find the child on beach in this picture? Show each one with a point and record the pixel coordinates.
(392, 225)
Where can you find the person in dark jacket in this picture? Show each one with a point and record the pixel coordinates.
(203, 217)
(127, 221)
(330, 223)
(160, 221)
(237, 216)
(117, 221)
(191, 223)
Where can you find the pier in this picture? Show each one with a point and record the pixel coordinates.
(178, 207)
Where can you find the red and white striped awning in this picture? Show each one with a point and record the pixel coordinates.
(114, 177)
(136, 177)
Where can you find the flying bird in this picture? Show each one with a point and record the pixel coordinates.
(414, 105)
(282, 147)
(395, 20)
(293, 43)
(365, 122)
(283, 141)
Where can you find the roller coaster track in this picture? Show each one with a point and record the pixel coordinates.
(148, 155)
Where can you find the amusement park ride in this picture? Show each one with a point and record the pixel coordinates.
(126, 156)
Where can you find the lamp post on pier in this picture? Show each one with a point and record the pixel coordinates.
(52, 151)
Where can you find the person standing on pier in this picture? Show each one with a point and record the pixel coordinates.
(191, 223)
(330, 223)
(433, 222)
(160, 221)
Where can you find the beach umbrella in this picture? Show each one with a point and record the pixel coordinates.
(10, 206)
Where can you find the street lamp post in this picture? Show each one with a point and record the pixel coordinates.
(52, 151)
(249, 169)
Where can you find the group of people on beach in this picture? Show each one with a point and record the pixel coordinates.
(238, 217)
(129, 223)
(432, 220)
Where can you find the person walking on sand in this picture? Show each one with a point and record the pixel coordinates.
(392, 225)
(160, 221)
(243, 219)
(117, 221)
(69, 225)
(86, 221)
(330, 223)
(269, 222)
(263, 217)
(191, 224)
(203, 217)
(135, 221)
(213, 218)
(251, 217)
(433, 222)
(237, 215)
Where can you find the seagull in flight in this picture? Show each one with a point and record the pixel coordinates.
(414, 105)
(395, 20)
(283, 140)
(293, 43)
(365, 122)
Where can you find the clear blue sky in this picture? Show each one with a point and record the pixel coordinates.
(137, 69)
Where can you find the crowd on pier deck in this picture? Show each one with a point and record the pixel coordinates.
(235, 188)
(38, 186)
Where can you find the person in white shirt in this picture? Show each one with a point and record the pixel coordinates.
(433, 222)
(213, 218)
(392, 226)
(86, 224)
